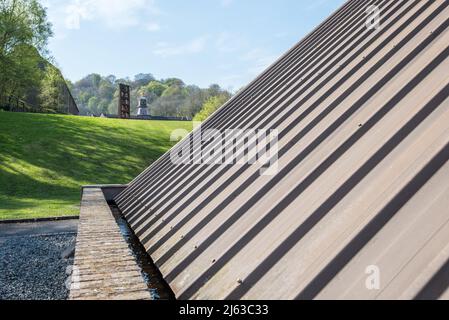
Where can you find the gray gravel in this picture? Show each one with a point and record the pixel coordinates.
(31, 267)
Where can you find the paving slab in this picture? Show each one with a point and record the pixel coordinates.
(38, 228)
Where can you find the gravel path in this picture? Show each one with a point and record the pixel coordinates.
(31, 267)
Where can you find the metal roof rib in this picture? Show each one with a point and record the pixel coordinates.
(362, 181)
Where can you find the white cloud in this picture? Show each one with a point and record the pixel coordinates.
(165, 49)
(74, 15)
(111, 13)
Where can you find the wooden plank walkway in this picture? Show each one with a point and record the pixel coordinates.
(104, 267)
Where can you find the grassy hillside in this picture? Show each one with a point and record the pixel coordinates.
(44, 159)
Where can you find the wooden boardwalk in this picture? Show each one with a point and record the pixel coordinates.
(104, 267)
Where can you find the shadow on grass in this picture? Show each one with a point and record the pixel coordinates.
(21, 196)
(45, 157)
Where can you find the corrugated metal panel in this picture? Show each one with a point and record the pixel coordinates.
(363, 182)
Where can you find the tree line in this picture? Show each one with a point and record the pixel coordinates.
(27, 73)
(171, 97)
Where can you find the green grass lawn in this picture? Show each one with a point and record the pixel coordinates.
(45, 159)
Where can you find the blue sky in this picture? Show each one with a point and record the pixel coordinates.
(228, 42)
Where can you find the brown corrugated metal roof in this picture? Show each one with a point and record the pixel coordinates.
(363, 183)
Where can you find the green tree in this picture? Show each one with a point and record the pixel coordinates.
(214, 90)
(24, 34)
(93, 105)
(113, 106)
(210, 106)
(51, 97)
(155, 88)
(142, 79)
(174, 82)
(23, 22)
(20, 74)
(103, 106)
(194, 101)
(95, 78)
(84, 97)
(173, 91)
(106, 90)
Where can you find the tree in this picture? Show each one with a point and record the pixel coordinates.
(69, 84)
(24, 33)
(174, 82)
(174, 90)
(214, 90)
(142, 79)
(210, 106)
(194, 101)
(93, 105)
(103, 106)
(106, 90)
(111, 78)
(83, 98)
(51, 97)
(95, 79)
(21, 73)
(23, 22)
(155, 87)
(113, 105)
